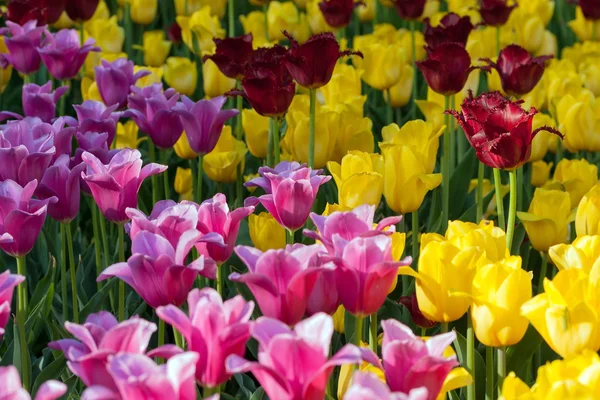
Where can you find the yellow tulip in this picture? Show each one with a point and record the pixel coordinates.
(365, 11)
(584, 28)
(354, 133)
(540, 173)
(4, 72)
(89, 90)
(64, 22)
(582, 254)
(345, 89)
(94, 59)
(108, 34)
(461, 7)
(102, 12)
(579, 122)
(383, 64)
(265, 232)
(214, 81)
(561, 78)
(315, 18)
(489, 187)
(338, 319)
(401, 92)
(547, 221)
(155, 76)
(443, 271)
(183, 184)
(489, 239)
(566, 315)
(456, 379)
(359, 179)
(515, 389)
(204, 26)
(181, 74)
(590, 74)
(587, 221)
(286, 17)
(221, 164)
(579, 52)
(156, 48)
(526, 29)
(404, 38)
(541, 141)
(248, 178)
(183, 149)
(254, 23)
(127, 136)
(256, 130)
(577, 177)
(575, 378)
(544, 9)
(143, 12)
(217, 7)
(478, 45)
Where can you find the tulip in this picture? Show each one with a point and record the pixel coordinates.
(156, 48)
(256, 130)
(495, 12)
(420, 136)
(8, 282)
(63, 54)
(367, 384)
(81, 10)
(115, 79)
(203, 122)
(583, 27)
(95, 143)
(442, 76)
(290, 195)
(115, 185)
(204, 27)
(412, 305)
(215, 329)
(153, 111)
(182, 148)
(576, 117)
(337, 13)
(215, 83)
(410, 9)
(285, 17)
(265, 232)
(401, 92)
(583, 254)
(10, 381)
(94, 116)
(109, 36)
(565, 315)
(154, 76)
(143, 12)
(452, 28)
(40, 101)
(490, 239)
(359, 179)
(589, 8)
(540, 173)
(44, 11)
(544, 140)
(222, 163)
(294, 364)
(316, 19)
(345, 87)
(232, 55)
(192, 6)
(577, 177)
(380, 56)
(254, 23)
(587, 221)
(127, 136)
(22, 47)
(183, 183)
(299, 266)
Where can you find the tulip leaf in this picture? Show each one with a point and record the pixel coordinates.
(461, 351)
(97, 300)
(471, 213)
(19, 362)
(259, 394)
(518, 355)
(52, 371)
(349, 326)
(459, 182)
(246, 384)
(518, 236)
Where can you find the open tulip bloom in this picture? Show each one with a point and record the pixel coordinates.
(22, 46)
(40, 101)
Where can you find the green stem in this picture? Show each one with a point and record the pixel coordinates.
(499, 201)
(21, 318)
(265, 9)
(423, 332)
(520, 188)
(161, 335)
(415, 235)
(63, 272)
(375, 14)
(443, 327)
(73, 273)
(178, 338)
(104, 239)
(480, 174)
(289, 236)
(512, 210)
(219, 281)
(231, 15)
(489, 372)
(470, 357)
(446, 169)
(199, 178)
(373, 332)
(63, 100)
(121, 229)
(311, 128)
(390, 107)
(501, 368)
(165, 175)
(97, 242)
(270, 144)
(152, 151)
(543, 272)
(128, 31)
(358, 331)
(404, 279)
(415, 69)
(276, 145)
(26, 79)
(208, 391)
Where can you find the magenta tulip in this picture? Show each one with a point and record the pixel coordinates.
(284, 168)
(115, 80)
(22, 46)
(94, 116)
(62, 182)
(63, 54)
(294, 364)
(95, 143)
(115, 185)
(21, 217)
(8, 283)
(366, 385)
(281, 280)
(100, 337)
(152, 111)
(214, 216)
(214, 330)
(40, 101)
(11, 388)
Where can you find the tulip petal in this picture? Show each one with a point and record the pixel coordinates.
(176, 318)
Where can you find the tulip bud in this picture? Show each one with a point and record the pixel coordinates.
(183, 183)
(540, 173)
(156, 48)
(265, 232)
(143, 12)
(127, 136)
(401, 92)
(214, 81)
(181, 74)
(587, 220)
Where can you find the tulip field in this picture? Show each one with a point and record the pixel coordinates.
(299, 199)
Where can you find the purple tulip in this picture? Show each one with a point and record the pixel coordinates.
(203, 122)
(284, 168)
(94, 116)
(137, 376)
(294, 364)
(40, 101)
(63, 54)
(115, 80)
(214, 330)
(366, 385)
(281, 280)
(95, 143)
(21, 217)
(10, 382)
(22, 46)
(214, 216)
(289, 194)
(115, 185)
(8, 282)
(152, 111)
(62, 182)
(100, 337)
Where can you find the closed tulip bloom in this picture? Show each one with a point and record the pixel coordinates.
(584, 28)
(22, 46)
(345, 87)
(590, 9)
(8, 282)
(13, 390)
(544, 140)
(587, 221)
(109, 36)
(256, 131)
(182, 148)
(382, 64)
(183, 184)
(359, 178)
(214, 330)
(232, 55)
(577, 177)
(281, 280)
(451, 29)
(222, 163)
(285, 16)
(63, 54)
(203, 122)
(490, 239)
(540, 173)
(576, 116)
(115, 185)
(156, 48)
(214, 81)
(495, 12)
(81, 10)
(265, 232)
(143, 11)
(401, 92)
(62, 182)
(410, 9)
(566, 314)
(40, 101)
(412, 305)
(422, 137)
(127, 136)
(337, 13)
(115, 79)
(446, 68)
(204, 27)
(43, 11)
(94, 116)
(95, 143)
(582, 254)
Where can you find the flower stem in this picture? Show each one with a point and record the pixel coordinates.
(21, 317)
(542, 272)
(480, 173)
(520, 189)
(121, 229)
(415, 69)
(231, 15)
(512, 210)
(289, 237)
(499, 202)
(209, 391)
(415, 235)
(219, 280)
(270, 144)
(265, 9)
(165, 175)
(161, 335)
(276, 146)
(489, 372)
(311, 128)
(152, 151)
(128, 31)
(446, 170)
(373, 332)
(63, 272)
(501, 368)
(470, 357)
(358, 331)
(199, 178)
(75, 299)
(390, 107)
(63, 99)
(443, 327)
(178, 338)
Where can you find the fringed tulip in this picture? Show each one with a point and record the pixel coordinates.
(81, 10)
(94, 116)
(338, 13)
(10, 382)
(369, 386)
(410, 9)
(495, 12)
(115, 185)
(214, 329)
(446, 68)
(40, 101)
(115, 79)
(62, 182)
(43, 11)
(22, 46)
(8, 282)
(63, 54)
(232, 55)
(452, 29)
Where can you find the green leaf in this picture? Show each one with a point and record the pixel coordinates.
(471, 213)
(518, 236)
(246, 385)
(41, 289)
(459, 182)
(52, 371)
(259, 394)
(18, 361)
(518, 355)
(349, 326)
(461, 352)
(97, 300)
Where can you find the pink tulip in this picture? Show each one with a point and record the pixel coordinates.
(214, 330)
(11, 388)
(115, 79)
(366, 386)
(324, 296)
(64, 54)
(290, 194)
(97, 339)
(62, 182)
(8, 282)
(214, 216)
(94, 116)
(22, 46)
(409, 362)
(137, 377)
(115, 186)
(40, 101)
(294, 364)
(365, 271)
(281, 280)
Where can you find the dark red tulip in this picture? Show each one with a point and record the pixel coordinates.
(498, 129)
(410, 302)
(175, 32)
(81, 10)
(44, 11)
(312, 63)
(232, 55)
(495, 12)
(590, 8)
(446, 68)
(338, 13)
(452, 28)
(410, 9)
(519, 72)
